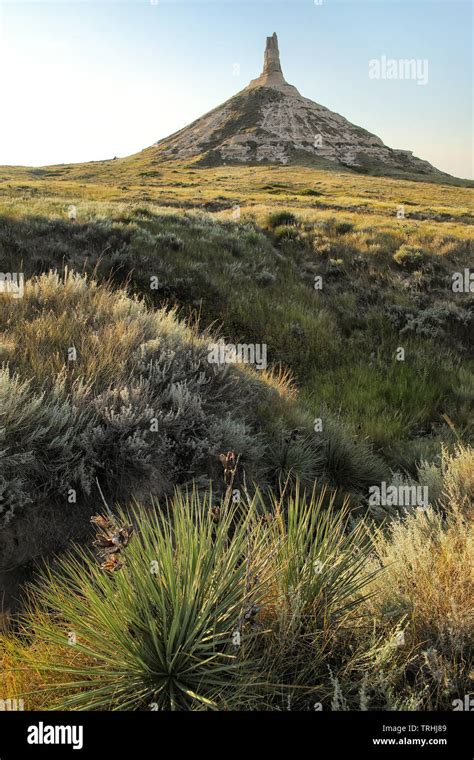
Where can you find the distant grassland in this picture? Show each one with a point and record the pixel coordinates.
(311, 192)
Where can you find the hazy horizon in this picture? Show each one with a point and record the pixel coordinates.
(89, 81)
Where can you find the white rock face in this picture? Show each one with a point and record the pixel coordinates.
(270, 122)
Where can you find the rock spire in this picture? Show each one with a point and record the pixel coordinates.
(271, 58)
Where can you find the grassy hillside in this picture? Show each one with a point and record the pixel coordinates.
(107, 393)
(254, 279)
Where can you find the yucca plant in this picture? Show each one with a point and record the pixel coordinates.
(320, 558)
(166, 631)
(214, 605)
(317, 579)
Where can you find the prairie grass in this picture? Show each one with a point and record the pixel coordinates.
(275, 604)
(106, 389)
(339, 342)
(100, 392)
(426, 592)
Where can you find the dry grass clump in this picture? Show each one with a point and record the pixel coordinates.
(426, 591)
(458, 478)
(20, 672)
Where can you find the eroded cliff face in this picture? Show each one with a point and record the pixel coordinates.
(271, 122)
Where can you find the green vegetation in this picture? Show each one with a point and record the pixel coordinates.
(260, 605)
(332, 302)
(107, 393)
(279, 219)
(97, 387)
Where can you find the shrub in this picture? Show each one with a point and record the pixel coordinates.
(335, 268)
(264, 279)
(296, 457)
(441, 322)
(327, 611)
(350, 464)
(211, 605)
(139, 408)
(280, 218)
(425, 592)
(44, 444)
(161, 629)
(342, 228)
(317, 580)
(398, 315)
(410, 257)
(285, 233)
(450, 479)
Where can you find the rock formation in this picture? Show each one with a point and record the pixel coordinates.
(271, 122)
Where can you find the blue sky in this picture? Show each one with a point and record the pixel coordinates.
(87, 80)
